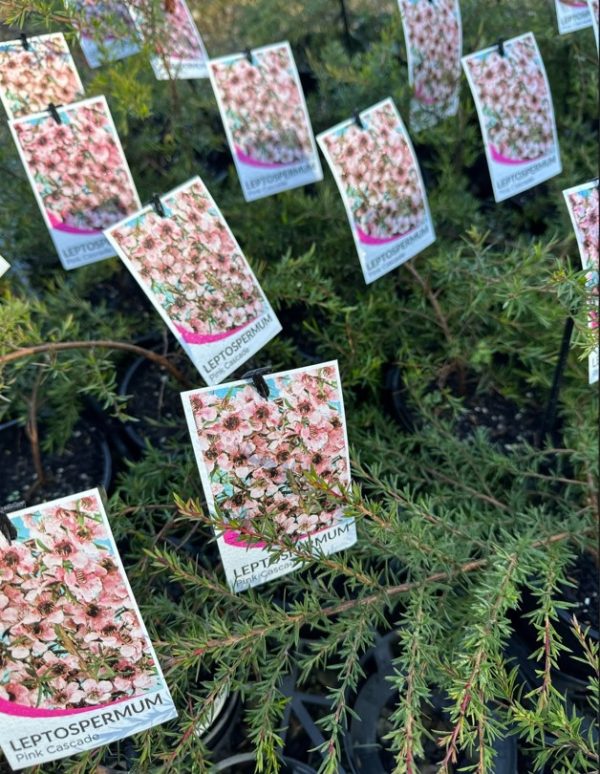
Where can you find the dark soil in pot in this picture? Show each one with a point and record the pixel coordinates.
(154, 401)
(505, 423)
(85, 463)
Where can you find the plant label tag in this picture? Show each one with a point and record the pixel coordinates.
(514, 105)
(79, 175)
(191, 267)
(433, 33)
(180, 51)
(254, 453)
(78, 668)
(37, 72)
(106, 30)
(572, 15)
(582, 203)
(266, 120)
(4, 266)
(377, 172)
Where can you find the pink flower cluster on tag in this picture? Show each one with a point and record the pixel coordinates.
(434, 37)
(70, 634)
(379, 174)
(193, 266)
(257, 451)
(268, 121)
(33, 79)
(515, 100)
(78, 168)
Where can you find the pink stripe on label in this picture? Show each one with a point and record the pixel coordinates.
(237, 539)
(206, 338)
(21, 710)
(263, 164)
(60, 226)
(497, 156)
(574, 3)
(370, 240)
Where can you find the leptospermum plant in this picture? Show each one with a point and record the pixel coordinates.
(79, 175)
(106, 30)
(36, 73)
(170, 26)
(265, 117)
(582, 203)
(193, 270)
(71, 634)
(514, 104)
(378, 175)
(254, 455)
(433, 34)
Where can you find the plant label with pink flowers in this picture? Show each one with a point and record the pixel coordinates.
(191, 267)
(572, 15)
(78, 669)
(180, 51)
(514, 105)
(4, 266)
(37, 72)
(107, 31)
(79, 175)
(254, 453)
(266, 120)
(377, 172)
(582, 203)
(433, 33)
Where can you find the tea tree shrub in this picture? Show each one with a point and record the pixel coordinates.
(463, 524)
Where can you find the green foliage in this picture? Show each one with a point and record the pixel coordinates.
(452, 528)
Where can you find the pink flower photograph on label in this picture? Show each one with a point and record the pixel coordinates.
(193, 270)
(106, 30)
(378, 175)
(433, 33)
(254, 453)
(72, 637)
(79, 174)
(583, 205)
(514, 104)
(180, 51)
(266, 121)
(572, 15)
(37, 73)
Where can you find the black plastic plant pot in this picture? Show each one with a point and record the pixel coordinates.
(155, 402)
(367, 750)
(216, 731)
(584, 601)
(85, 463)
(245, 763)
(396, 399)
